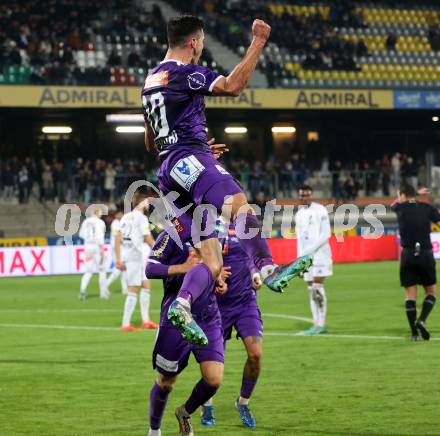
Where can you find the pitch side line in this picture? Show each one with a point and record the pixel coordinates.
(266, 333)
(268, 315)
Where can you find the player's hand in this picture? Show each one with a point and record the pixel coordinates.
(191, 262)
(423, 191)
(217, 149)
(221, 287)
(256, 281)
(225, 273)
(120, 265)
(261, 30)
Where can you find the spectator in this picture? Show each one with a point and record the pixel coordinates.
(109, 183)
(23, 184)
(60, 181)
(396, 167)
(8, 183)
(47, 182)
(391, 42)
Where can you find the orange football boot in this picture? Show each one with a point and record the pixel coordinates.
(150, 325)
(130, 328)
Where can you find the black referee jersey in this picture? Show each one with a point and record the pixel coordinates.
(417, 264)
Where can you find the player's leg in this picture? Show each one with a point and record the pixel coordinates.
(320, 297)
(124, 282)
(211, 360)
(207, 386)
(158, 400)
(249, 326)
(113, 276)
(104, 293)
(144, 302)
(429, 282)
(196, 282)
(411, 309)
(170, 357)
(134, 281)
(88, 273)
(408, 280)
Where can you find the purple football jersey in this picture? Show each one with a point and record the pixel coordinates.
(166, 252)
(240, 291)
(174, 105)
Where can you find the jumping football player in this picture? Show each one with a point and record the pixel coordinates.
(129, 252)
(239, 309)
(92, 231)
(174, 112)
(313, 233)
(114, 228)
(171, 352)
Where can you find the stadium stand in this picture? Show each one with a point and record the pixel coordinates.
(314, 44)
(335, 43)
(81, 43)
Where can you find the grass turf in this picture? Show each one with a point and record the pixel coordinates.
(56, 380)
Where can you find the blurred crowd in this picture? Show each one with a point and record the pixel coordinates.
(99, 180)
(313, 36)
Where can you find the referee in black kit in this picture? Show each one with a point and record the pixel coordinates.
(417, 264)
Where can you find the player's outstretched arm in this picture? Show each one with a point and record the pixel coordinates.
(241, 74)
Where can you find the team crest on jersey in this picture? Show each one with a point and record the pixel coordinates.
(186, 171)
(157, 79)
(196, 80)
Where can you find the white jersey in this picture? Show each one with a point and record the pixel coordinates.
(134, 228)
(313, 231)
(114, 228)
(93, 232)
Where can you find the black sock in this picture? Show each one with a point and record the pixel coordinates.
(428, 305)
(411, 314)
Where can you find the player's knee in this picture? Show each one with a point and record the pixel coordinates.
(255, 356)
(166, 383)
(213, 380)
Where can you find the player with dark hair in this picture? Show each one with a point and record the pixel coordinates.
(313, 231)
(417, 263)
(174, 112)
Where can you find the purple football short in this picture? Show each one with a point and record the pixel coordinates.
(198, 177)
(246, 319)
(171, 352)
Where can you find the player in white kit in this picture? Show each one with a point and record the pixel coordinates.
(132, 248)
(313, 233)
(92, 231)
(114, 228)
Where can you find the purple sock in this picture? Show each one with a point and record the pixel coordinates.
(256, 248)
(201, 393)
(158, 401)
(247, 387)
(196, 281)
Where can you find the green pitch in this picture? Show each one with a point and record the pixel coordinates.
(65, 369)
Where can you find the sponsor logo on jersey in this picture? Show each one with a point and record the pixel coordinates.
(156, 79)
(196, 80)
(167, 365)
(186, 171)
(159, 250)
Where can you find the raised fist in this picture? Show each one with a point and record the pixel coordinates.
(260, 29)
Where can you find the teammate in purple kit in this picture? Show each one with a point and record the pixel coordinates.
(171, 352)
(174, 112)
(239, 309)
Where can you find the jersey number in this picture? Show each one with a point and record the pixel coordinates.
(156, 113)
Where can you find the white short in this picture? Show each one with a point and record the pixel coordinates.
(321, 269)
(135, 272)
(94, 260)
